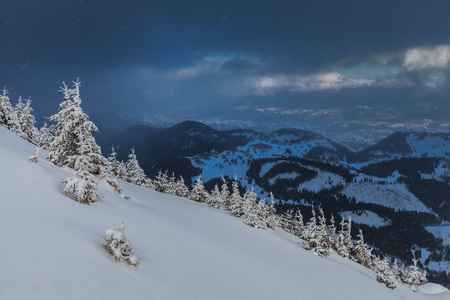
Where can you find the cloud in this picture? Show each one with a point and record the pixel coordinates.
(427, 58)
(268, 85)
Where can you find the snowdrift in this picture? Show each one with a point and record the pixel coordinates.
(52, 249)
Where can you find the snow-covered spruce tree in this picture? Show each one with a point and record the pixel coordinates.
(149, 183)
(263, 212)
(118, 246)
(250, 213)
(24, 114)
(363, 253)
(225, 197)
(323, 235)
(45, 137)
(198, 192)
(214, 197)
(237, 202)
(314, 237)
(7, 114)
(73, 136)
(181, 190)
(345, 239)
(397, 271)
(272, 219)
(133, 171)
(117, 168)
(384, 273)
(161, 181)
(286, 221)
(414, 277)
(332, 231)
(298, 224)
(171, 185)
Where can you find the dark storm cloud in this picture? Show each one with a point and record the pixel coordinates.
(297, 34)
(199, 58)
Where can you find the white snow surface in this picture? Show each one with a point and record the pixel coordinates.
(366, 217)
(52, 247)
(290, 175)
(323, 180)
(396, 196)
(429, 145)
(442, 232)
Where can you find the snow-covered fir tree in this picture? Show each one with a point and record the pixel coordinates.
(199, 192)
(298, 224)
(133, 171)
(73, 136)
(272, 219)
(27, 122)
(345, 239)
(181, 190)
(45, 137)
(118, 246)
(117, 168)
(414, 276)
(396, 271)
(225, 197)
(384, 273)
(171, 185)
(7, 115)
(237, 202)
(287, 221)
(263, 211)
(323, 235)
(363, 253)
(161, 181)
(332, 231)
(250, 211)
(214, 197)
(314, 237)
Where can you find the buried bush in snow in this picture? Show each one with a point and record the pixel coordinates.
(118, 246)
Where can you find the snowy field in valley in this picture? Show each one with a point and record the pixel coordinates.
(52, 247)
(366, 217)
(396, 196)
(442, 232)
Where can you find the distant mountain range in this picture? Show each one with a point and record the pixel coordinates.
(396, 190)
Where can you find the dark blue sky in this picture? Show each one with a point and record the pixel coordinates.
(330, 66)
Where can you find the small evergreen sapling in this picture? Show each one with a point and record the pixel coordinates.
(34, 158)
(118, 246)
(84, 186)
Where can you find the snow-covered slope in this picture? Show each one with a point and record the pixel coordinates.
(407, 144)
(51, 247)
